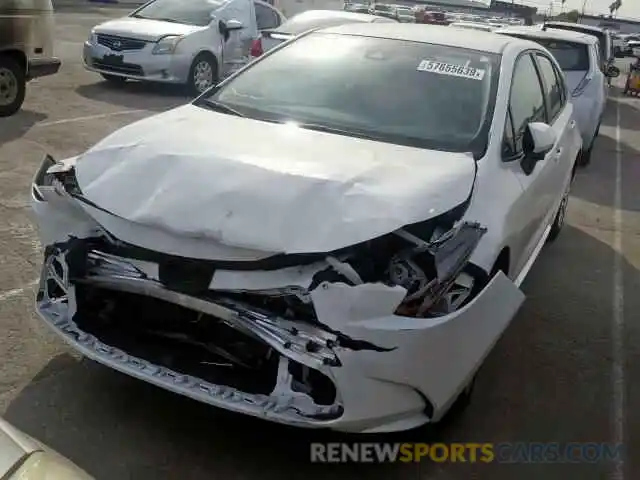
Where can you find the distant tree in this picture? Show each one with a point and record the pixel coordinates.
(570, 16)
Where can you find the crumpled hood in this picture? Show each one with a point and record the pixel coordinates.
(264, 186)
(142, 29)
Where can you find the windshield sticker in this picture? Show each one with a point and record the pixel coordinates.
(452, 69)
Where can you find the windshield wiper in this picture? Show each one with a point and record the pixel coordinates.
(338, 131)
(218, 107)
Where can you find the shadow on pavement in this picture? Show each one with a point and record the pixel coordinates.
(136, 95)
(596, 182)
(548, 380)
(14, 127)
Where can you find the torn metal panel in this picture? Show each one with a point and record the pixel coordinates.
(457, 343)
(218, 187)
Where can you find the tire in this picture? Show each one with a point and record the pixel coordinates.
(585, 156)
(203, 74)
(13, 86)
(561, 214)
(114, 79)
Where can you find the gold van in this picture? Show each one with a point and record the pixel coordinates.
(26, 49)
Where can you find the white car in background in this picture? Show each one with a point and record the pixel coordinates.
(24, 458)
(577, 54)
(482, 27)
(306, 21)
(193, 43)
(300, 246)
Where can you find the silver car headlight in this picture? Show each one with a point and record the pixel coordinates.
(167, 45)
(93, 38)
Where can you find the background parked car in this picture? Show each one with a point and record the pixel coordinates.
(26, 49)
(309, 20)
(577, 55)
(195, 43)
(24, 458)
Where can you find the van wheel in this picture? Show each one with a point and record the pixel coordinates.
(203, 73)
(13, 86)
(114, 79)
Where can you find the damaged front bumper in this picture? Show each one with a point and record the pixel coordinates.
(385, 372)
(295, 345)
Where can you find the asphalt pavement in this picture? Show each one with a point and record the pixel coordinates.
(567, 369)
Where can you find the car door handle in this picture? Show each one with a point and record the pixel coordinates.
(572, 125)
(558, 154)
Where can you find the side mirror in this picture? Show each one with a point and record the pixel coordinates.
(233, 25)
(613, 72)
(539, 140)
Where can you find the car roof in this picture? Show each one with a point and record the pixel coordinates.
(434, 34)
(581, 26)
(332, 14)
(551, 34)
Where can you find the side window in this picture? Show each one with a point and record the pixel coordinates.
(526, 101)
(563, 85)
(551, 87)
(266, 17)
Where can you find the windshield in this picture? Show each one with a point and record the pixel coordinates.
(408, 93)
(191, 12)
(571, 56)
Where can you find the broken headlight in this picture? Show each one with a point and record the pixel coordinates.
(50, 172)
(434, 272)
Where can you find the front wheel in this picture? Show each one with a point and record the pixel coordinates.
(13, 86)
(203, 74)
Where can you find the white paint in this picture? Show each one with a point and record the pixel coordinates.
(9, 294)
(618, 398)
(88, 117)
(192, 172)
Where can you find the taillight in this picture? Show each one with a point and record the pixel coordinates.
(582, 86)
(256, 48)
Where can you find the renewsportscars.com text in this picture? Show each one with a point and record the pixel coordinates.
(507, 452)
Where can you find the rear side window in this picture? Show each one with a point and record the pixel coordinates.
(552, 88)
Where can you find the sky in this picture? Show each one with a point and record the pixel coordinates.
(629, 9)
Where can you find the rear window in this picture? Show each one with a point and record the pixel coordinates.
(571, 56)
(310, 21)
(601, 36)
(407, 93)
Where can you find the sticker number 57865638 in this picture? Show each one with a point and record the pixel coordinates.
(452, 69)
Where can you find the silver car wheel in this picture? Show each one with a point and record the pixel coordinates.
(8, 87)
(202, 75)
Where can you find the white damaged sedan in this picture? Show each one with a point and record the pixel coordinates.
(301, 245)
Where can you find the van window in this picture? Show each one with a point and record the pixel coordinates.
(266, 17)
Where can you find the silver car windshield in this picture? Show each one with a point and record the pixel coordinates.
(192, 12)
(410, 93)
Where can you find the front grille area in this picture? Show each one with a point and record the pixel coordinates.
(120, 44)
(124, 68)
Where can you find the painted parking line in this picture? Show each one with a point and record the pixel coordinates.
(617, 335)
(9, 294)
(88, 117)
